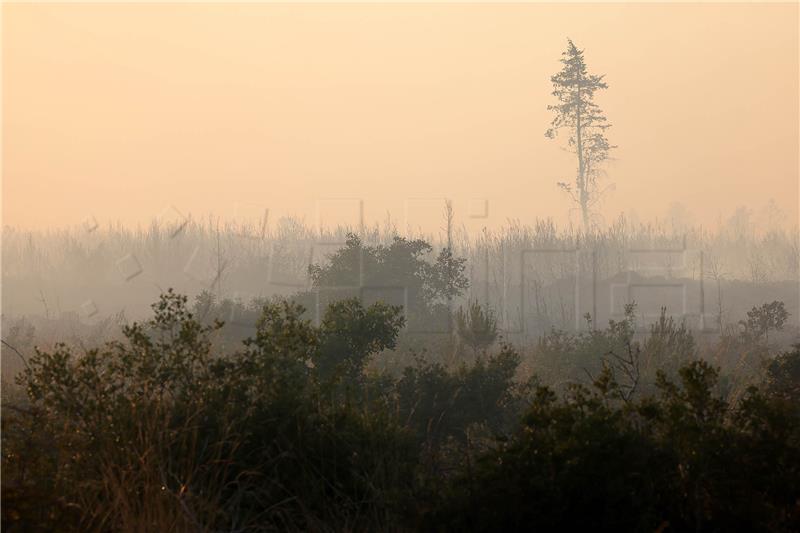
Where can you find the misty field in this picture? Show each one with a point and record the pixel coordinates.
(368, 381)
(542, 287)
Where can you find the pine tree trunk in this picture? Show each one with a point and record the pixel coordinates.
(581, 181)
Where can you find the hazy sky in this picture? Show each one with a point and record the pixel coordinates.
(117, 111)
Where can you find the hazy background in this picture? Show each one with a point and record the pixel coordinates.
(117, 111)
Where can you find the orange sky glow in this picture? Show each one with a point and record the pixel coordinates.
(116, 111)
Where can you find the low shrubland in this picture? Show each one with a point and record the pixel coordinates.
(352, 406)
(298, 429)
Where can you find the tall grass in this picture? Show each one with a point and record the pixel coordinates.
(535, 276)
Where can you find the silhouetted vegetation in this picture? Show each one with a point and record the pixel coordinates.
(293, 431)
(258, 374)
(586, 125)
(335, 408)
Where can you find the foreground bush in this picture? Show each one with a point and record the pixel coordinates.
(293, 431)
(156, 434)
(685, 460)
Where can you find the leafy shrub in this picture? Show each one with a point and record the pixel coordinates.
(399, 269)
(762, 319)
(476, 327)
(293, 430)
(156, 433)
(437, 403)
(683, 460)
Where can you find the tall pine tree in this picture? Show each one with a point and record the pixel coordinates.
(586, 124)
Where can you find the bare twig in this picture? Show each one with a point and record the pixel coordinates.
(24, 361)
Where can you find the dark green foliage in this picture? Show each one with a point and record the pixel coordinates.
(762, 319)
(574, 465)
(156, 430)
(350, 334)
(476, 326)
(683, 460)
(294, 431)
(576, 357)
(572, 355)
(400, 271)
(404, 274)
(783, 376)
(438, 404)
(669, 342)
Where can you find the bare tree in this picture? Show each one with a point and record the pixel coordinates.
(586, 123)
